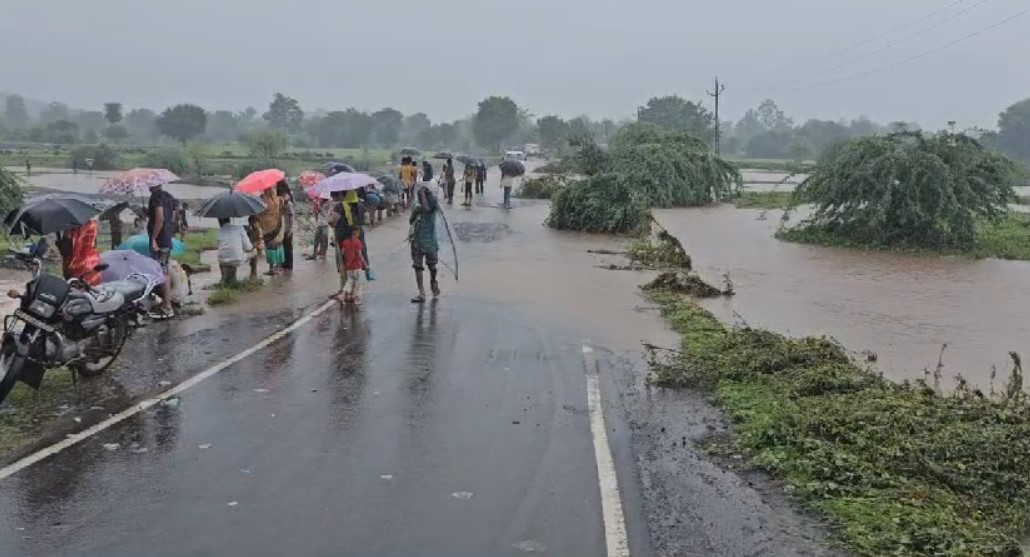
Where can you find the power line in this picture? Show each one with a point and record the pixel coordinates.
(865, 42)
(884, 48)
(914, 58)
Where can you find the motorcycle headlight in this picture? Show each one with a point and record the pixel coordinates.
(42, 309)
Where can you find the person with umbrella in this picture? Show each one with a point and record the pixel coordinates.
(289, 216)
(235, 246)
(271, 222)
(424, 246)
(161, 231)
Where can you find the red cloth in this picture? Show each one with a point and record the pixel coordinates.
(352, 254)
(84, 253)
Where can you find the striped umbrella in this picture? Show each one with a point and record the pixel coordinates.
(137, 181)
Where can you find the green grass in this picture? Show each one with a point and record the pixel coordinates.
(225, 295)
(22, 426)
(196, 243)
(902, 470)
(1008, 238)
(763, 200)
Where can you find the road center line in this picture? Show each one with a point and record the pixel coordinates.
(76, 438)
(611, 502)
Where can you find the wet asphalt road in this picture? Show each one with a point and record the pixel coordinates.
(458, 428)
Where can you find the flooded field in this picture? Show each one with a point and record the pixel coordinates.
(903, 307)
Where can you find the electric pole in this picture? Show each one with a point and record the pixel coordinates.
(719, 88)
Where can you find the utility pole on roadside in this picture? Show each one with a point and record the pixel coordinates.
(719, 88)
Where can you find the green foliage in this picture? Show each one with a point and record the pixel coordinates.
(542, 187)
(284, 114)
(169, 158)
(495, 121)
(116, 133)
(554, 132)
(765, 200)
(182, 122)
(386, 126)
(225, 295)
(243, 168)
(901, 470)
(601, 203)
(675, 113)
(909, 189)
(11, 193)
(1014, 131)
(104, 157)
(266, 144)
(113, 113)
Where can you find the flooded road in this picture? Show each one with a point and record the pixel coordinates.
(903, 307)
(462, 427)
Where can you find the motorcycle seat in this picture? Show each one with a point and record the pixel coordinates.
(106, 301)
(129, 289)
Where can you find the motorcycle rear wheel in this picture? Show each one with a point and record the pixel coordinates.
(103, 348)
(8, 358)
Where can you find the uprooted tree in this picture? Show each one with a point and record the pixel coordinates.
(908, 189)
(645, 166)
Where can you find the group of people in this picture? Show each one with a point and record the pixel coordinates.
(269, 233)
(473, 177)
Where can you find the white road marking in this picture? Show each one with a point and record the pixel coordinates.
(611, 502)
(76, 438)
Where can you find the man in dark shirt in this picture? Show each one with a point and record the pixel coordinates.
(161, 230)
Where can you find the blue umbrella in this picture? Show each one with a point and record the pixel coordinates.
(140, 243)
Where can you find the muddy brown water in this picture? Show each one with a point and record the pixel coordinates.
(903, 307)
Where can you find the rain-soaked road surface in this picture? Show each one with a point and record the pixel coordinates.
(460, 427)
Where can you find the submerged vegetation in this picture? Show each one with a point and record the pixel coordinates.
(541, 187)
(901, 469)
(908, 190)
(643, 167)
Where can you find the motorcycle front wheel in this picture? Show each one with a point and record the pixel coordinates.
(8, 369)
(102, 348)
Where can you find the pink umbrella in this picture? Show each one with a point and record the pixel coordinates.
(257, 182)
(137, 181)
(344, 181)
(309, 178)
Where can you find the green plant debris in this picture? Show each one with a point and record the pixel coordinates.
(764, 200)
(685, 283)
(541, 187)
(225, 295)
(662, 251)
(900, 469)
(1006, 238)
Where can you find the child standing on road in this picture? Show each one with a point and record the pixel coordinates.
(354, 265)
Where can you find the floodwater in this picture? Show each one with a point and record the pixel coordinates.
(903, 307)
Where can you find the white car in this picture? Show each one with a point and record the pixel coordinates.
(515, 156)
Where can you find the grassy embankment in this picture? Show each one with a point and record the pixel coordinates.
(901, 470)
(25, 409)
(225, 295)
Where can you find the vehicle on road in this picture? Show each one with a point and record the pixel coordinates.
(515, 156)
(69, 323)
(531, 150)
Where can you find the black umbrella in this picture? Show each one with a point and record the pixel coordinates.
(336, 168)
(465, 159)
(231, 204)
(56, 212)
(444, 155)
(512, 168)
(391, 184)
(409, 152)
(480, 163)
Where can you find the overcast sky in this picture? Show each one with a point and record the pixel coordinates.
(570, 57)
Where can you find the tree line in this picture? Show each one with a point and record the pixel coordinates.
(764, 131)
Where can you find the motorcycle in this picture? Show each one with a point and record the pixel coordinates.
(69, 323)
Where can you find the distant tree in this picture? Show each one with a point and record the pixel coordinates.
(903, 127)
(91, 136)
(15, 114)
(141, 123)
(113, 113)
(579, 127)
(91, 121)
(53, 112)
(267, 144)
(1014, 131)
(820, 135)
(284, 113)
(440, 136)
(386, 126)
(674, 113)
(351, 128)
(182, 122)
(862, 127)
(554, 132)
(116, 133)
(747, 128)
(223, 126)
(414, 126)
(770, 145)
(62, 132)
(496, 120)
(772, 118)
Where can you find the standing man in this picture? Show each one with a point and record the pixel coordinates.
(161, 230)
(480, 177)
(286, 198)
(424, 246)
(449, 181)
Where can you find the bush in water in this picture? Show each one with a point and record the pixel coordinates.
(599, 204)
(103, 157)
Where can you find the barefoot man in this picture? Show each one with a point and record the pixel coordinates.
(424, 247)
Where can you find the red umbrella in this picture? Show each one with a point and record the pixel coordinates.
(257, 182)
